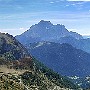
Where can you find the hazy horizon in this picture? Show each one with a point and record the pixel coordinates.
(18, 16)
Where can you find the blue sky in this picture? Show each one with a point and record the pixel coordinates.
(16, 16)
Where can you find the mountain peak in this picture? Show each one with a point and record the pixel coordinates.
(46, 31)
(42, 22)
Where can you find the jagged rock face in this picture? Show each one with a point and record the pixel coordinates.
(45, 31)
(10, 48)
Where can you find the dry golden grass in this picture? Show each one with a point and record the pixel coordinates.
(4, 69)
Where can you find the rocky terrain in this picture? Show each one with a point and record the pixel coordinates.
(10, 48)
(33, 76)
(20, 71)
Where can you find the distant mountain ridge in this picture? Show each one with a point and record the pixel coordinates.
(62, 58)
(46, 31)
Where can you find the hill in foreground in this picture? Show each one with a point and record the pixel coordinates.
(20, 73)
(29, 74)
(10, 48)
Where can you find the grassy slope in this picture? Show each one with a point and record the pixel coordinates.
(30, 74)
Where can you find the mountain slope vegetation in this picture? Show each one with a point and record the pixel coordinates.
(29, 74)
(62, 58)
(10, 48)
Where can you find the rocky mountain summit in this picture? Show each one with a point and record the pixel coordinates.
(46, 31)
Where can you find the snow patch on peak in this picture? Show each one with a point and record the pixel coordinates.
(47, 28)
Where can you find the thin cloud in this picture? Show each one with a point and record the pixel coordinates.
(67, 5)
(17, 31)
(51, 2)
